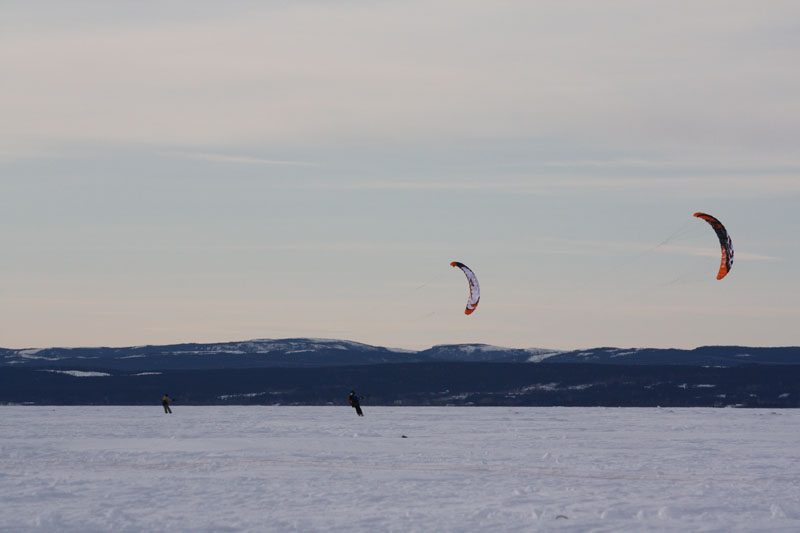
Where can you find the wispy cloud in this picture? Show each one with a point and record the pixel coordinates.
(723, 186)
(548, 246)
(415, 186)
(713, 252)
(239, 159)
(733, 164)
(574, 246)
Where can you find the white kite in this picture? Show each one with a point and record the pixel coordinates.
(474, 288)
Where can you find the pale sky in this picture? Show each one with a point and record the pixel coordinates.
(210, 171)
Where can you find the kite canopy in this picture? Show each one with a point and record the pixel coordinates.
(474, 288)
(724, 241)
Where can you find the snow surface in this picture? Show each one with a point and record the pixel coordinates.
(259, 468)
(80, 373)
(541, 355)
(29, 351)
(472, 348)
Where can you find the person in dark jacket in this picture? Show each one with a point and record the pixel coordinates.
(355, 402)
(165, 401)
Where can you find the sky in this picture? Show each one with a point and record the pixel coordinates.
(197, 171)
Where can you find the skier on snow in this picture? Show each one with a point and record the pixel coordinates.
(355, 402)
(165, 401)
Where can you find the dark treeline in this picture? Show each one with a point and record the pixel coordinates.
(509, 384)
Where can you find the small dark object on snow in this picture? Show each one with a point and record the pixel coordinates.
(561, 516)
(403, 437)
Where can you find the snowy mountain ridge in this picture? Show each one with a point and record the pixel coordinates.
(298, 349)
(315, 352)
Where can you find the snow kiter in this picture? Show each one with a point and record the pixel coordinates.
(724, 241)
(474, 288)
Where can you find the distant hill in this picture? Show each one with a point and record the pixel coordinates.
(311, 353)
(702, 356)
(259, 353)
(322, 371)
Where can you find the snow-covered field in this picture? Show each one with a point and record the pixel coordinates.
(459, 469)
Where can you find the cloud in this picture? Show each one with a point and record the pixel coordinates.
(575, 246)
(535, 183)
(696, 78)
(741, 164)
(706, 252)
(247, 160)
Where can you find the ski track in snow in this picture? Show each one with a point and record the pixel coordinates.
(258, 468)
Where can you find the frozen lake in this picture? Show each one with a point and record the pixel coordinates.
(459, 469)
